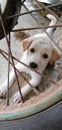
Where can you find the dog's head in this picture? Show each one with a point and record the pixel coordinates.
(40, 51)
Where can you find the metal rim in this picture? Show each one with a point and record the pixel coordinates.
(46, 102)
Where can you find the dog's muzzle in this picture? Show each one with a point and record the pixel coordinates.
(33, 65)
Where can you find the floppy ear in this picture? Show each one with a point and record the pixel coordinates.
(26, 43)
(55, 55)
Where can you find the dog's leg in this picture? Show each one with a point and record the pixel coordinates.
(27, 88)
(4, 86)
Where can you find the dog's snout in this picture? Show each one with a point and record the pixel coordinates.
(33, 65)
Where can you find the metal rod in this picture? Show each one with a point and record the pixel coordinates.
(41, 26)
(10, 55)
(50, 11)
(8, 72)
(32, 11)
(35, 28)
(20, 62)
(34, 89)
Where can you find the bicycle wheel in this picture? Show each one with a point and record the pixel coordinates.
(40, 112)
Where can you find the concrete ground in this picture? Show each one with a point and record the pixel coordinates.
(16, 47)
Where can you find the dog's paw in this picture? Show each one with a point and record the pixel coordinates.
(2, 91)
(17, 97)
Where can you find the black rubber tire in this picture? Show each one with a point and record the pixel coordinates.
(50, 119)
(12, 7)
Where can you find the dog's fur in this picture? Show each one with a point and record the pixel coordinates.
(39, 50)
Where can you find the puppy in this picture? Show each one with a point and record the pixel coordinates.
(38, 51)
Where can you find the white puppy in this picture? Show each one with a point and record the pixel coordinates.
(39, 50)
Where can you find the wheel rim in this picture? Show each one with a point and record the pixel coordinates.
(42, 104)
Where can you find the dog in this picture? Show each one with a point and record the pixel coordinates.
(38, 51)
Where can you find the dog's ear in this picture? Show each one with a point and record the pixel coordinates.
(55, 55)
(26, 43)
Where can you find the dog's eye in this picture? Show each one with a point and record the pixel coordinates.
(45, 55)
(32, 50)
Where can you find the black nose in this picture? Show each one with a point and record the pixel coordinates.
(33, 65)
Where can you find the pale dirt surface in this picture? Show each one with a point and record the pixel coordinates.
(16, 47)
(34, 101)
